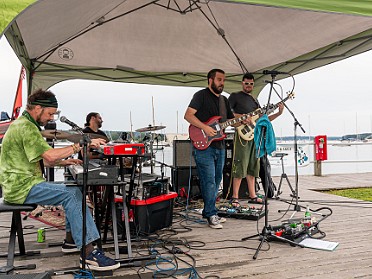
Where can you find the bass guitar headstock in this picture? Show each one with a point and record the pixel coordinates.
(272, 107)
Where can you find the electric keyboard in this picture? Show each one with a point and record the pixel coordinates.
(128, 149)
(97, 174)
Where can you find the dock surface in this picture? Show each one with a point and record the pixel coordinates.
(191, 246)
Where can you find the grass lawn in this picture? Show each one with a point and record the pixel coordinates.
(9, 9)
(364, 194)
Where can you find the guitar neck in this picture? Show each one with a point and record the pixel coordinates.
(239, 119)
(274, 107)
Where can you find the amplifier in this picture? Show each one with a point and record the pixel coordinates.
(147, 185)
(229, 152)
(182, 154)
(182, 177)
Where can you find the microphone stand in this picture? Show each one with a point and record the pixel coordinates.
(84, 142)
(267, 232)
(162, 165)
(296, 208)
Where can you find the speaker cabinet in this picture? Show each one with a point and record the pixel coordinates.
(182, 178)
(228, 188)
(229, 151)
(182, 154)
(227, 179)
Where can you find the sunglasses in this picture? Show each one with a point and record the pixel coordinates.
(248, 83)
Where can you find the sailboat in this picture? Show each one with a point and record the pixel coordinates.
(5, 120)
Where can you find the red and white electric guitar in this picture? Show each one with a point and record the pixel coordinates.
(201, 140)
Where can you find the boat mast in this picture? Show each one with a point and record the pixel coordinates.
(131, 125)
(153, 111)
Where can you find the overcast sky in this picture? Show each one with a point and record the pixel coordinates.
(333, 100)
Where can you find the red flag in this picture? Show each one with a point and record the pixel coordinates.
(18, 99)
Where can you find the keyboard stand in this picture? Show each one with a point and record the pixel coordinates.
(114, 218)
(126, 203)
(126, 222)
(127, 199)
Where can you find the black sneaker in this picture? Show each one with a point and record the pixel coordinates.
(97, 260)
(69, 247)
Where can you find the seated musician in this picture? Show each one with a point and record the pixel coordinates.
(93, 123)
(23, 156)
(92, 126)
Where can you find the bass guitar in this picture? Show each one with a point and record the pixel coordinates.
(246, 131)
(201, 140)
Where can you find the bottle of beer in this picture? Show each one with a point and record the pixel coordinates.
(307, 212)
(307, 218)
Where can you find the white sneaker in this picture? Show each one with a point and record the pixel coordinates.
(214, 222)
(69, 247)
(221, 219)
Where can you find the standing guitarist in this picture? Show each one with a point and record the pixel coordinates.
(245, 163)
(205, 104)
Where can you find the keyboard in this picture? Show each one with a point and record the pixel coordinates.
(97, 174)
(124, 149)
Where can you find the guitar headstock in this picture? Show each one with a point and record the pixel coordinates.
(290, 95)
(272, 107)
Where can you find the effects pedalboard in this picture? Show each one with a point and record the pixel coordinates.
(296, 231)
(242, 212)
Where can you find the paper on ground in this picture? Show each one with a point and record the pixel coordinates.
(319, 244)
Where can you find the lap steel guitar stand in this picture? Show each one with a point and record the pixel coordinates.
(283, 176)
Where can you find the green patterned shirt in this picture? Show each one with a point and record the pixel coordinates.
(21, 152)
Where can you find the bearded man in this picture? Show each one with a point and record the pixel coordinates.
(205, 104)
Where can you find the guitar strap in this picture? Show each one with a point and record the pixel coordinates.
(255, 101)
(222, 108)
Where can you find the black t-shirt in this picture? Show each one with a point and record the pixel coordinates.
(89, 130)
(207, 105)
(243, 103)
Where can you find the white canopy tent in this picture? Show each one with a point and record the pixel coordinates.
(176, 42)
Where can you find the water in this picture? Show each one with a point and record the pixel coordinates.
(342, 158)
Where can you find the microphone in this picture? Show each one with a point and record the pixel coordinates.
(269, 72)
(72, 124)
